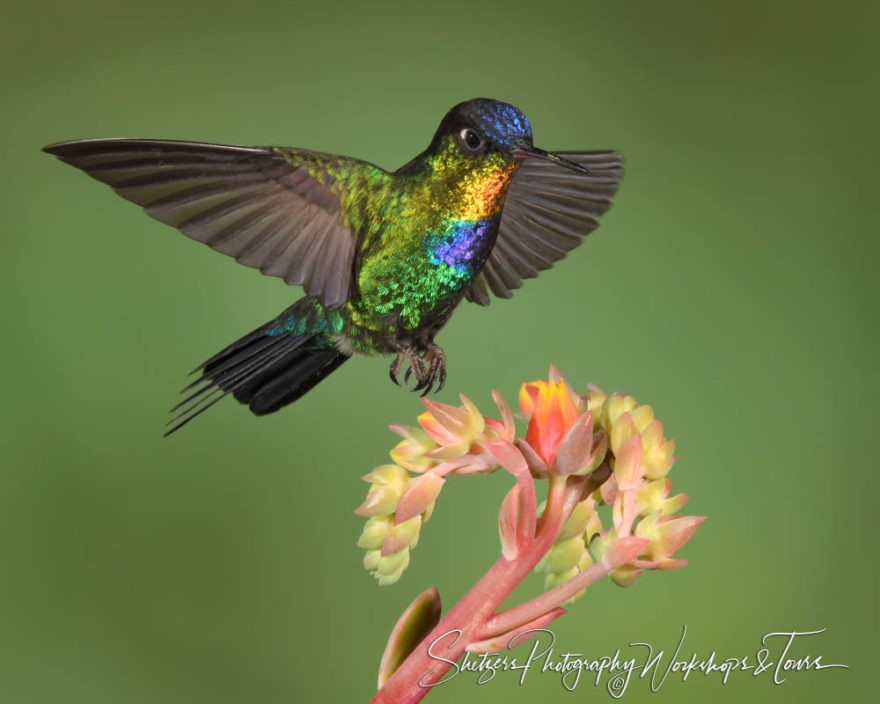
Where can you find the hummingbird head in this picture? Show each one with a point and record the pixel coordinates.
(482, 126)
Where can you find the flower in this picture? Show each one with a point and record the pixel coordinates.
(553, 410)
(622, 417)
(568, 435)
(453, 428)
(560, 435)
(654, 497)
(666, 535)
(453, 438)
(389, 482)
(605, 458)
(412, 452)
(396, 507)
(448, 440)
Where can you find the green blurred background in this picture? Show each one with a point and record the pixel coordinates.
(732, 286)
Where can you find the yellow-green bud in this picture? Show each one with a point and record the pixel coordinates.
(371, 559)
(403, 535)
(565, 555)
(391, 567)
(577, 521)
(374, 532)
(625, 576)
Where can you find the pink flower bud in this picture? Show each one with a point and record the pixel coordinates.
(622, 551)
(419, 496)
(628, 465)
(402, 535)
(573, 455)
(666, 536)
(554, 410)
(411, 452)
(504, 428)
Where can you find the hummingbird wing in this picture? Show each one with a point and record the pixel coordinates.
(548, 211)
(280, 210)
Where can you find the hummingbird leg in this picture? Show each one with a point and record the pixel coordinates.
(436, 373)
(416, 366)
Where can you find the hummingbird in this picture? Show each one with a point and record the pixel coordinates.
(384, 257)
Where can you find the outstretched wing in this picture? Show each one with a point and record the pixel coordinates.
(548, 211)
(280, 210)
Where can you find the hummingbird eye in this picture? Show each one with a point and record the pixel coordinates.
(471, 139)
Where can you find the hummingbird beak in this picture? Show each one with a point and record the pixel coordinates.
(526, 150)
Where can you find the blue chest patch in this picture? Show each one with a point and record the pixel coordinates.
(461, 245)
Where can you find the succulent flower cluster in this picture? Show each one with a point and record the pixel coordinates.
(448, 439)
(610, 449)
(640, 457)
(608, 512)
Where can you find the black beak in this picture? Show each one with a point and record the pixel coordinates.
(526, 150)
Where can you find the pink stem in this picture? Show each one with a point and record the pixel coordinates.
(528, 507)
(516, 616)
(466, 621)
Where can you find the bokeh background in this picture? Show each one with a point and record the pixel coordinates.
(733, 286)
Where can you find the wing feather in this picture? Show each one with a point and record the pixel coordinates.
(279, 210)
(548, 211)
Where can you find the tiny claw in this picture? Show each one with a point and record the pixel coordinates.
(415, 367)
(436, 375)
(425, 381)
(442, 380)
(394, 369)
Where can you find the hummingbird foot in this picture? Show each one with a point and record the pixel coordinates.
(411, 356)
(435, 358)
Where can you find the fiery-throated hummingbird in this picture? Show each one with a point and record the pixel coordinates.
(384, 257)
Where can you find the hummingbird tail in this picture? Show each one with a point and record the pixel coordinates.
(266, 369)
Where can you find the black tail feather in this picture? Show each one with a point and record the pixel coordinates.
(273, 391)
(266, 372)
(232, 374)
